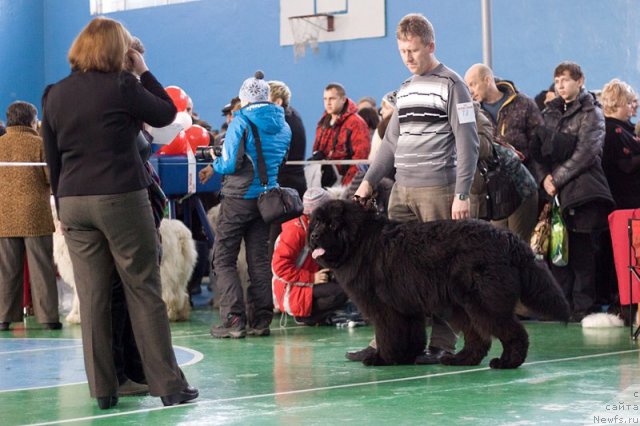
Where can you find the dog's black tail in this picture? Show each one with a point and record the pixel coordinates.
(541, 293)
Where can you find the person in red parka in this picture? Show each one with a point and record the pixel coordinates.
(300, 287)
(341, 133)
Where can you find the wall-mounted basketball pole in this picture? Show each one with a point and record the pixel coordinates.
(487, 51)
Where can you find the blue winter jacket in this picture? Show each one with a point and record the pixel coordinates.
(239, 160)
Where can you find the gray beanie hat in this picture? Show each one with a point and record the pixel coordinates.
(313, 198)
(255, 89)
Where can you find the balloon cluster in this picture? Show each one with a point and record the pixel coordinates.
(182, 134)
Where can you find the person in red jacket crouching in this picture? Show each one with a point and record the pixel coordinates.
(300, 287)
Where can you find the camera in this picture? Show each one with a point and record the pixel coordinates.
(203, 153)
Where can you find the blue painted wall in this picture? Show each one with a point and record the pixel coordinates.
(22, 52)
(209, 47)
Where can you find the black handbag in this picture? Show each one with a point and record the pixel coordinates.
(502, 196)
(279, 204)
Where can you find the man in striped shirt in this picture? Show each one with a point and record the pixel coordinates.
(432, 141)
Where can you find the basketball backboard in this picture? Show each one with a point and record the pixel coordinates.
(353, 19)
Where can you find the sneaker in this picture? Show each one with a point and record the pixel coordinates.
(305, 321)
(261, 328)
(431, 356)
(361, 354)
(131, 388)
(264, 331)
(233, 327)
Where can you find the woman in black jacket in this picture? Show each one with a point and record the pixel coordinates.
(621, 156)
(90, 123)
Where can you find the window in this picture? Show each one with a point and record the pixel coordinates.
(99, 7)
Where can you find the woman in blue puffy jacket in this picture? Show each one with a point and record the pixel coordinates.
(239, 216)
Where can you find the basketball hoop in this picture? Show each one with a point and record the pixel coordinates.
(306, 29)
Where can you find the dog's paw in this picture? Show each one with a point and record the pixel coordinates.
(450, 360)
(501, 364)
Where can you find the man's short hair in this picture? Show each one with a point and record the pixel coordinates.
(279, 90)
(338, 87)
(574, 70)
(21, 113)
(369, 99)
(484, 72)
(416, 25)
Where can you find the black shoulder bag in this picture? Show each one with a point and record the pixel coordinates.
(277, 204)
(502, 195)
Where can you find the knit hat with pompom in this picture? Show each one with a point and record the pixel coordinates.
(255, 89)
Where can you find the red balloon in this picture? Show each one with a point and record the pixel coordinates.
(197, 136)
(178, 96)
(178, 146)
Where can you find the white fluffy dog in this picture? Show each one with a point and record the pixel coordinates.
(65, 268)
(602, 320)
(179, 257)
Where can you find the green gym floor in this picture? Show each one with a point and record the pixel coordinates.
(299, 375)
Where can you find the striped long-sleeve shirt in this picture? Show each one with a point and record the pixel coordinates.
(432, 138)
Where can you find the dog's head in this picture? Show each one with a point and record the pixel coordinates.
(334, 231)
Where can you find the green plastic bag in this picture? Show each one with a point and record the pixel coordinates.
(559, 247)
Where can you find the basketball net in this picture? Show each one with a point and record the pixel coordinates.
(305, 31)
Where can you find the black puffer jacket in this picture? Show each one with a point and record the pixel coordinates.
(517, 119)
(584, 194)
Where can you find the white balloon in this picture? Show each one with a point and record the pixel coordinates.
(164, 135)
(184, 119)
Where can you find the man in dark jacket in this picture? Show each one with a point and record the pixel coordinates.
(341, 133)
(576, 177)
(515, 118)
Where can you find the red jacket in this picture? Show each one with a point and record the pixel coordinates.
(347, 139)
(292, 286)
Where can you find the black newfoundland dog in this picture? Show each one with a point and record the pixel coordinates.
(467, 272)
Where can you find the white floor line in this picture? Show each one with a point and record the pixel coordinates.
(21, 351)
(43, 387)
(328, 388)
(182, 336)
(197, 357)
(57, 339)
